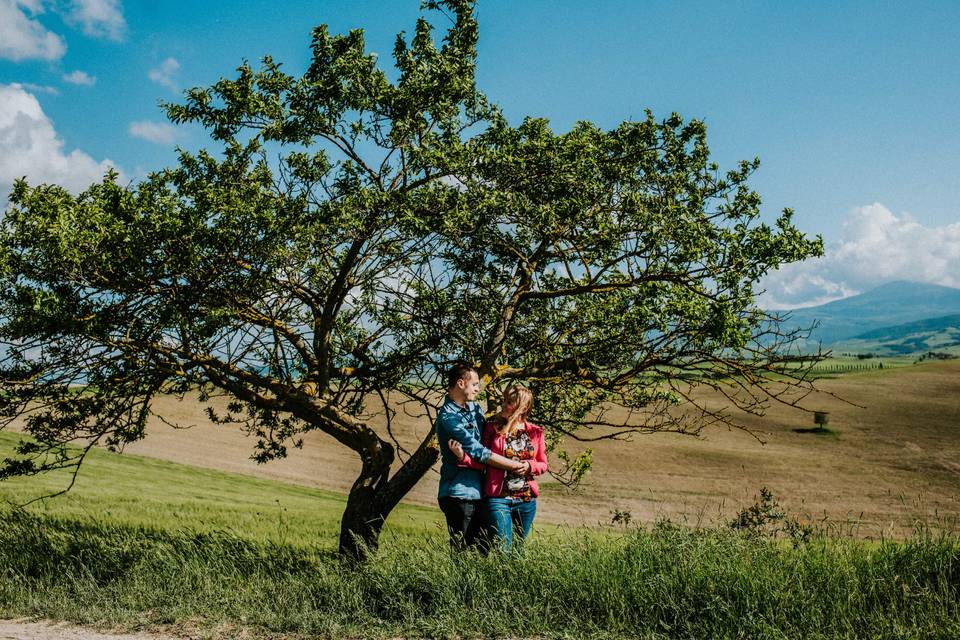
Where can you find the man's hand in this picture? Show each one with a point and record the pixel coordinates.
(507, 464)
(520, 468)
(456, 448)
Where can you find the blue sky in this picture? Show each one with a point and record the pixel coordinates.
(851, 106)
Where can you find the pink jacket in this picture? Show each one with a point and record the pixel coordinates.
(494, 478)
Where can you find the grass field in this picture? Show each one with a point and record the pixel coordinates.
(143, 541)
(140, 492)
(150, 544)
(839, 364)
(889, 460)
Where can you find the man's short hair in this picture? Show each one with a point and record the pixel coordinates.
(458, 371)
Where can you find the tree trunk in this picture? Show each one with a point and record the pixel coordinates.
(361, 525)
(364, 516)
(374, 495)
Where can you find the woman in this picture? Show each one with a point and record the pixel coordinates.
(511, 498)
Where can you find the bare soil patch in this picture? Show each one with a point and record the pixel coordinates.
(27, 630)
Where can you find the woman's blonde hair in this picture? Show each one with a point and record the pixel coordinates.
(522, 400)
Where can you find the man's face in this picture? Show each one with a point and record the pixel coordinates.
(470, 384)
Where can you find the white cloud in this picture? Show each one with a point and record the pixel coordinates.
(22, 37)
(875, 246)
(159, 132)
(37, 88)
(30, 146)
(98, 18)
(164, 75)
(80, 77)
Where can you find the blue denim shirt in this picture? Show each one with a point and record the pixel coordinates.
(465, 426)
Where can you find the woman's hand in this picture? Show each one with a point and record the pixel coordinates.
(456, 448)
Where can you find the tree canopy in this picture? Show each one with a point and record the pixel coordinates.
(351, 235)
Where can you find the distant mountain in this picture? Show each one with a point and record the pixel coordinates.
(931, 334)
(888, 307)
(929, 325)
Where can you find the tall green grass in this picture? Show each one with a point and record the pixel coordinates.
(665, 582)
(144, 543)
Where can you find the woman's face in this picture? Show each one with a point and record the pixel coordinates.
(508, 408)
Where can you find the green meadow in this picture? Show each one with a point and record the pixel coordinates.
(136, 491)
(145, 544)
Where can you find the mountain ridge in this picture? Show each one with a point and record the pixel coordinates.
(887, 307)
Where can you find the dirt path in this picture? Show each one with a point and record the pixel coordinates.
(24, 630)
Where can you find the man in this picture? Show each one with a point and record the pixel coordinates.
(461, 419)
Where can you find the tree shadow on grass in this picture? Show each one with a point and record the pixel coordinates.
(819, 431)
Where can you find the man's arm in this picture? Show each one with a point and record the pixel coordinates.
(498, 461)
(455, 428)
(495, 460)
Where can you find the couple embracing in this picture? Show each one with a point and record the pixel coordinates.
(487, 468)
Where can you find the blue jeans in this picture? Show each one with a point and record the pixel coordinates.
(509, 515)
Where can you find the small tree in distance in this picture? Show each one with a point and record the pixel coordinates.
(352, 236)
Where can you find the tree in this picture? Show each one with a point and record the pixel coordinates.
(352, 235)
